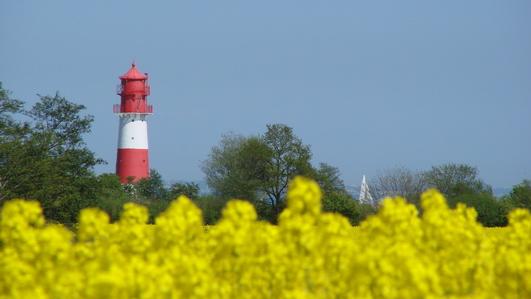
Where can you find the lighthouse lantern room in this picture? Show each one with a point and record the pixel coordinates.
(132, 161)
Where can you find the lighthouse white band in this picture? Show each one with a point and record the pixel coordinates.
(133, 131)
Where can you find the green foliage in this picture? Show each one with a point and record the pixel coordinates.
(60, 123)
(9, 128)
(110, 195)
(491, 212)
(345, 205)
(336, 198)
(288, 157)
(329, 179)
(520, 196)
(258, 168)
(211, 207)
(155, 207)
(229, 170)
(151, 188)
(461, 184)
(150, 192)
(45, 158)
(190, 190)
(455, 179)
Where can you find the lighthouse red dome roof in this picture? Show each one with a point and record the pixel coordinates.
(133, 74)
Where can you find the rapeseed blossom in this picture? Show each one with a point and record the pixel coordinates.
(444, 253)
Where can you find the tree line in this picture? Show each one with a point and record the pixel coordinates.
(460, 183)
(43, 156)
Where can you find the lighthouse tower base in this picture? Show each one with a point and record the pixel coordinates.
(132, 163)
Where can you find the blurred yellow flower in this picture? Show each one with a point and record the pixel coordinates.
(444, 253)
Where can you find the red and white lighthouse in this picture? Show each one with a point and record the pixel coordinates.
(132, 161)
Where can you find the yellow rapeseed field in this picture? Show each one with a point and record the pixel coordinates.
(445, 253)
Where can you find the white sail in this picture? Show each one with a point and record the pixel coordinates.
(365, 194)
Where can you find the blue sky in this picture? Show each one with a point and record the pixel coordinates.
(370, 85)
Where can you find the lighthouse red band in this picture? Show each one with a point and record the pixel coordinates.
(132, 161)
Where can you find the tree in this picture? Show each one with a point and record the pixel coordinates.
(336, 198)
(211, 207)
(45, 158)
(65, 173)
(491, 212)
(460, 184)
(234, 167)
(60, 123)
(520, 196)
(345, 205)
(9, 107)
(110, 195)
(398, 182)
(258, 168)
(455, 179)
(190, 190)
(152, 187)
(11, 133)
(329, 179)
(288, 157)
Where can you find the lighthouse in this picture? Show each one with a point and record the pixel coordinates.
(132, 159)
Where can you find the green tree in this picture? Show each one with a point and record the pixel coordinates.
(288, 157)
(45, 158)
(236, 167)
(336, 198)
(345, 205)
(211, 207)
(10, 128)
(455, 179)
(66, 170)
(110, 195)
(12, 135)
(491, 212)
(520, 196)
(460, 183)
(329, 179)
(258, 168)
(60, 123)
(190, 190)
(151, 188)
(150, 192)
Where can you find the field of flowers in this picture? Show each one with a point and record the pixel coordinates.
(444, 253)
